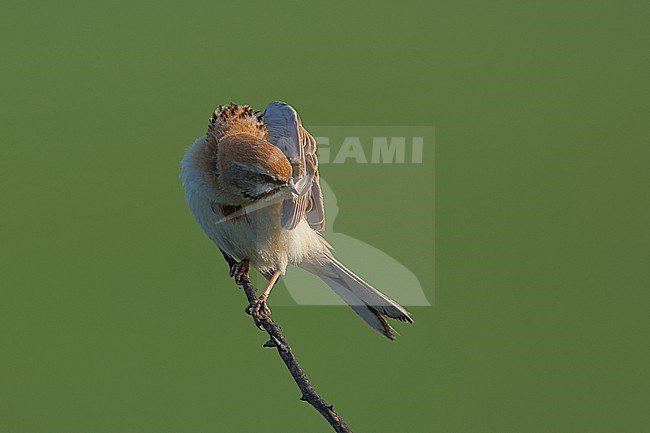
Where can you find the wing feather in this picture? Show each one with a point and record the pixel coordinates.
(285, 131)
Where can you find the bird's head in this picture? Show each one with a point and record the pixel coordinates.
(253, 169)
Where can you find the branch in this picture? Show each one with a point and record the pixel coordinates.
(277, 340)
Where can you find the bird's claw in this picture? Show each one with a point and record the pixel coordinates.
(239, 271)
(259, 310)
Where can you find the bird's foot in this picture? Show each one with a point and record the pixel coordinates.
(239, 270)
(259, 310)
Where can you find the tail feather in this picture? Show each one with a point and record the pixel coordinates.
(370, 304)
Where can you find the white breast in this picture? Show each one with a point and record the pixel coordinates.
(258, 236)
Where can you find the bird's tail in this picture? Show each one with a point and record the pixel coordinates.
(370, 304)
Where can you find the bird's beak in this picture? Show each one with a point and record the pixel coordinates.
(292, 187)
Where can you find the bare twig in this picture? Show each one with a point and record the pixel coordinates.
(277, 340)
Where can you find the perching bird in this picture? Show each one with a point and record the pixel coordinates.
(252, 185)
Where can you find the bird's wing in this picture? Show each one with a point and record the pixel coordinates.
(285, 131)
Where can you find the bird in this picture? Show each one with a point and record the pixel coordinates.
(252, 184)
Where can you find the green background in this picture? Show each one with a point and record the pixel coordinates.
(116, 313)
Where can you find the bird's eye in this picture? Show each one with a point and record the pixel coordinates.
(270, 179)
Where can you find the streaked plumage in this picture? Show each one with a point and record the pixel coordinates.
(252, 184)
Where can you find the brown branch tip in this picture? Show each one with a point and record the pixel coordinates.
(277, 340)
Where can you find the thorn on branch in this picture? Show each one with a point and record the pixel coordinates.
(274, 342)
(277, 340)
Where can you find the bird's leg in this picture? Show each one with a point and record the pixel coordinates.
(258, 307)
(239, 270)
